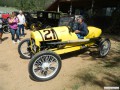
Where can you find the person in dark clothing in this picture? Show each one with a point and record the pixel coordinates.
(81, 28)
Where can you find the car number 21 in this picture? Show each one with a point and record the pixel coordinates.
(49, 34)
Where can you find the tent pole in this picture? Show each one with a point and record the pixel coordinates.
(71, 7)
(92, 7)
(58, 9)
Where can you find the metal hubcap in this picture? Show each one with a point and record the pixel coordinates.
(45, 66)
(105, 48)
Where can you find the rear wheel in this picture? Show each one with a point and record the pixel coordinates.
(39, 25)
(104, 47)
(44, 66)
(32, 26)
(24, 49)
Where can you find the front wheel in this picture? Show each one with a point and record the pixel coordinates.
(24, 49)
(6, 29)
(44, 66)
(104, 47)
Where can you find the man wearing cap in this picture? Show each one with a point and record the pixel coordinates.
(1, 31)
(21, 23)
(82, 30)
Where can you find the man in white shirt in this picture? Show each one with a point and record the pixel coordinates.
(21, 23)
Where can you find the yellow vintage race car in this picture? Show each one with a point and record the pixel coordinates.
(45, 47)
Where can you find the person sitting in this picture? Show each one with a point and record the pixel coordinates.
(80, 27)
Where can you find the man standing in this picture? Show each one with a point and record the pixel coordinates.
(21, 23)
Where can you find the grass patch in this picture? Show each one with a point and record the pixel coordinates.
(76, 86)
(112, 63)
(97, 77)
(86, 78)
(103, 73)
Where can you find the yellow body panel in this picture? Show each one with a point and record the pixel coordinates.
(93, 32)
(63, 34)
(66, 49)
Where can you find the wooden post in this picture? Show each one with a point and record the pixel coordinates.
(92, 7)
(71, 7)
(58, 9)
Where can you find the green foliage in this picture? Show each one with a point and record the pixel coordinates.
(76, 86)
(28, 5)
(8, 10)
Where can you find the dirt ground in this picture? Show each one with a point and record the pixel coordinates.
(14, 70)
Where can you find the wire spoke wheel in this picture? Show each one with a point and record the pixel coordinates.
(105, 47)
(24, 49)
(44, 66)
(45, 62)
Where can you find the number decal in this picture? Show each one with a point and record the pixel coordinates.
(53, 32)
(48, 32)
(46, 35)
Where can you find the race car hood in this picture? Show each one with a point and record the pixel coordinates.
(52, 34)
(62, 33)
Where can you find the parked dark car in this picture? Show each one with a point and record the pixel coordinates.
(48, 19)
(5, 25)
(31, 18)
(41, 19)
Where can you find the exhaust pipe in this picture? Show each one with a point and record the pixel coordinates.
(71, 41)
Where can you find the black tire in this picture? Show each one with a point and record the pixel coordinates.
(33, 26)
(27, 48)
(39, 24)
(6, 29)
(102, 47)
(35, 62)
